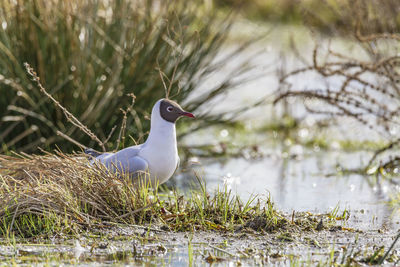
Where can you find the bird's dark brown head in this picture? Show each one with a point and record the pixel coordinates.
(171, 111)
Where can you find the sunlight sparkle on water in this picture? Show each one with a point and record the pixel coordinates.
(194, 160)
(372, 170)
(303, 133)
(352, 187)
(385, 189)
(393, 130)
(310, 121)
(288, 142)
(297, 150)
(335, 145)
(224, 133)
(230, 180)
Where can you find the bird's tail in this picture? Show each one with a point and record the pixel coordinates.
(91, 152)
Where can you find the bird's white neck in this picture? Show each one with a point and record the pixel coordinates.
(162, 133)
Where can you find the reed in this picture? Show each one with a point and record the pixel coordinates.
(93, 56)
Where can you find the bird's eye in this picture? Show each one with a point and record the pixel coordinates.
(170, 109)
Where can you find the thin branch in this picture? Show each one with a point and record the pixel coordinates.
(70, 117)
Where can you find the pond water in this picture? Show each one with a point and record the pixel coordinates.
(298, 178)
(310, 183)
(127, 253)
(120, 253)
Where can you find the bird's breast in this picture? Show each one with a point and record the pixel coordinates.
(162, 162)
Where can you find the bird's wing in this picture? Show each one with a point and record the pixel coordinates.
(103, 156)
(137, 167)
(131, 166)
(125, 161)
(126, 153)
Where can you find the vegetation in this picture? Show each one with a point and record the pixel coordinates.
(98, 59)
(43, 195)
(87, 57)
(367, 82)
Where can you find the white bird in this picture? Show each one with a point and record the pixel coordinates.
(157, 158)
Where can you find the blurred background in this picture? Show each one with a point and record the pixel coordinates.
(297, 99)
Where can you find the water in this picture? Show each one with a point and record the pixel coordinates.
(311, 183)
(298, 178)
(119, 253)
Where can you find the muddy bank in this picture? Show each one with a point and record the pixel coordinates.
(150, 245)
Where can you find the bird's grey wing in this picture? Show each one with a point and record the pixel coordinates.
(131, 166)
(129, 151)
(137, 167)
(125, 161)
(92, 152)
(104, 156)
(126, 153)
(100, 158)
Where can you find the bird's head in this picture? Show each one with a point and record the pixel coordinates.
(171, 111)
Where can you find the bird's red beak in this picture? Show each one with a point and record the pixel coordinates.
(188, 114)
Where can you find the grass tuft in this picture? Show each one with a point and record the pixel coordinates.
(54, 193)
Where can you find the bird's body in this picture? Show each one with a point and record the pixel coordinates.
(157, 158)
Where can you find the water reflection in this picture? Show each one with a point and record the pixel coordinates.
(179, 254)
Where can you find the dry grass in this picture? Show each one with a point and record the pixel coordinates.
(58, 193)
(65, 190)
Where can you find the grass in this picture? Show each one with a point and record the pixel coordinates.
(105, 61)
(58, 193)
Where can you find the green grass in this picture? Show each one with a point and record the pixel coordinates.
(93, 56)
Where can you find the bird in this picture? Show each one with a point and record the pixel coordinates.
(157, 158)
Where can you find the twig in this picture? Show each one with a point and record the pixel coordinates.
(13, 219)
(110, 134)
(222, 250)
(136, 226)
(390, 249)
(162, 74)
(383, 149)
(121, 135)
(70, 117)
(70, 139)
(136, 211)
